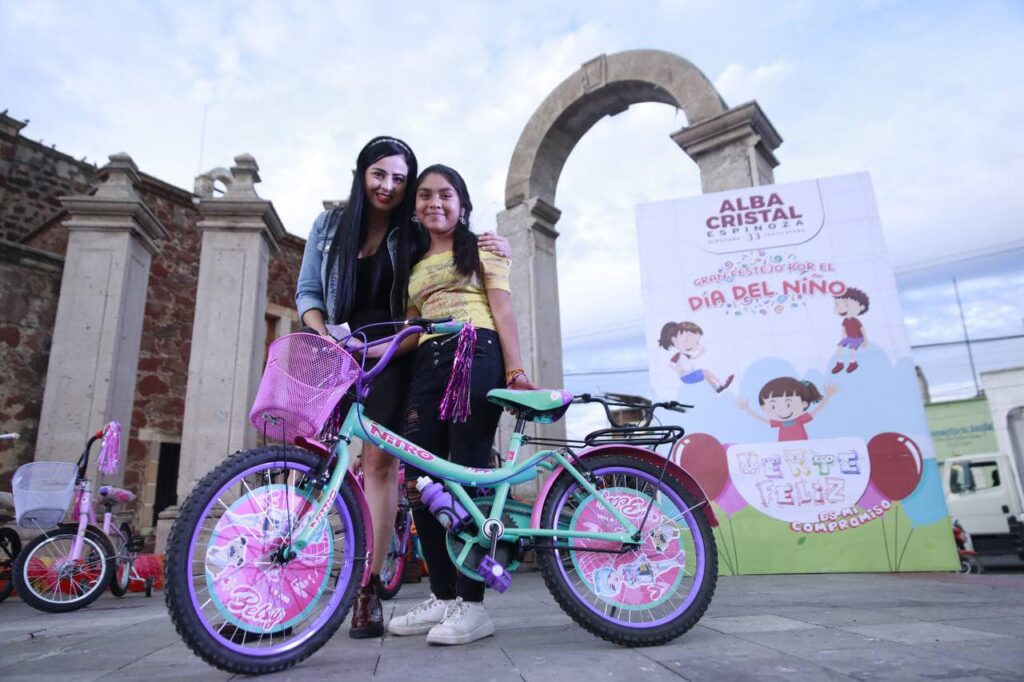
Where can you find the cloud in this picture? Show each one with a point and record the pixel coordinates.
(924, 101)
(738, 84)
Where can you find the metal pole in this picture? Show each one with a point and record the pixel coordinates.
(967, 339)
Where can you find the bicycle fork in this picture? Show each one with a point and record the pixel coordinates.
(312, 513)
(85, 517)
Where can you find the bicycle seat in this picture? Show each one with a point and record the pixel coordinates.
(116, 494)
(542, 406)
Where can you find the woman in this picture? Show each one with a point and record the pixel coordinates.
(455, 278)
(355, 270)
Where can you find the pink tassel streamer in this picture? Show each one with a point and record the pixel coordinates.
(110, 449)
(455, 400)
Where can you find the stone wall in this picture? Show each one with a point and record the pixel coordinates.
(159, 406)
(284, 271)
(32, 179)
(29, 288)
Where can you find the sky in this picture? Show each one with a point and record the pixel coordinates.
(925, 96)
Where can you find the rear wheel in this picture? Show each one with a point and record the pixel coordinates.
(47, 578)
(124, 560)
(235, 596)
(393, 568)
(650, 593)
(10, 545)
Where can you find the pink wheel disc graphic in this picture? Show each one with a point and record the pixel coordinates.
(642, 578)
(251, 589)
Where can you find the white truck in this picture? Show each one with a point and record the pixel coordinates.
(985, 495)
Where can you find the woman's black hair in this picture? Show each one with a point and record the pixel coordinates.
(464, 249)
(352, 228)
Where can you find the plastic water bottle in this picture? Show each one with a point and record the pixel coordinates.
(452, 515)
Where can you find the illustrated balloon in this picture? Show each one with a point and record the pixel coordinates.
(896, 464)
(704, 458)
(730, 499)
(926, 505)
(871, 497)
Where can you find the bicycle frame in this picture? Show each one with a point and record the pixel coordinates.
(456, 478)
(87, 517)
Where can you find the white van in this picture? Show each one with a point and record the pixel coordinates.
(985, 494)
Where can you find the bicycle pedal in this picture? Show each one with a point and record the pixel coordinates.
(494, 574)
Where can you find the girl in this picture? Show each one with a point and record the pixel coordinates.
(786, 401)
(355, 270)
(455, 278)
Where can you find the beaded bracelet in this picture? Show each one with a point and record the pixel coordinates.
(510, 376)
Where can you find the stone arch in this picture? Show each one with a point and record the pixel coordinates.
(604, 86)
(733, 147)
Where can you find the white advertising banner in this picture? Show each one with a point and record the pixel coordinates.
(774, 311)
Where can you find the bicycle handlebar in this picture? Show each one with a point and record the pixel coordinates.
(416, 325)
(10, 436)
(647, 410)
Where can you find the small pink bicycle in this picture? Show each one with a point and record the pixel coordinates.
(68, 566)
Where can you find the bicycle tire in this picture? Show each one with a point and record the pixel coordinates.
(393, 568)
(33, 569)
(10, 546)
(221, 631)
(604, 592)
(123, 562)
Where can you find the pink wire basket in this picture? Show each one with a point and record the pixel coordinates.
(305, 377)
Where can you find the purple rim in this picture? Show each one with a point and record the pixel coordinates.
(319, 621)
(698, 541)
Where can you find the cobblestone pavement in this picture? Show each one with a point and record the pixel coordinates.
(795, 627)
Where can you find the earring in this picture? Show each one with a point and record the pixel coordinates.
(414, 219)
(462, 217)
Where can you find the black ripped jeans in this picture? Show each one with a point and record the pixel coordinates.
(467, 443)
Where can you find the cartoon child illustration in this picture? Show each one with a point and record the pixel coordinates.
(686, 338)
(850, 305)
(786, 401)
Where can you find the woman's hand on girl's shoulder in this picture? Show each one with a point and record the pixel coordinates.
(494, 243)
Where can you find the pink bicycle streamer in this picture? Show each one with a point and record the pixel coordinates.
(455, 400)
(110, 448)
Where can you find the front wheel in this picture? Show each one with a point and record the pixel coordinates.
(236, 597)
(654, 591)
(47, 578)
(970, 564)
(10, 545)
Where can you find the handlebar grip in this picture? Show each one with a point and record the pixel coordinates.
(427, 321)
(447, 327)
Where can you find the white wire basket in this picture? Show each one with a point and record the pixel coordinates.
(42, 493)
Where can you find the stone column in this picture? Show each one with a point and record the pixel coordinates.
(240, 231)
(734, 149)
(90, 378)
(530, 229)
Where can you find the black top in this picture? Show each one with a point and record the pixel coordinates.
(374, 278)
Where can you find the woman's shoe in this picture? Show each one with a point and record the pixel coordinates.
(464, 622)
(367, 613)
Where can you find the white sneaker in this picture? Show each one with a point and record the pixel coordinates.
(463, 622)
(420, 618)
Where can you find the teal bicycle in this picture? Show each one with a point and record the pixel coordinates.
(268, 550)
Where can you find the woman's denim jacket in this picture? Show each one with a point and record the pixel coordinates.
(316, 286)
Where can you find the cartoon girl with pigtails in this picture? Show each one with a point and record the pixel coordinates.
(787, 402)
